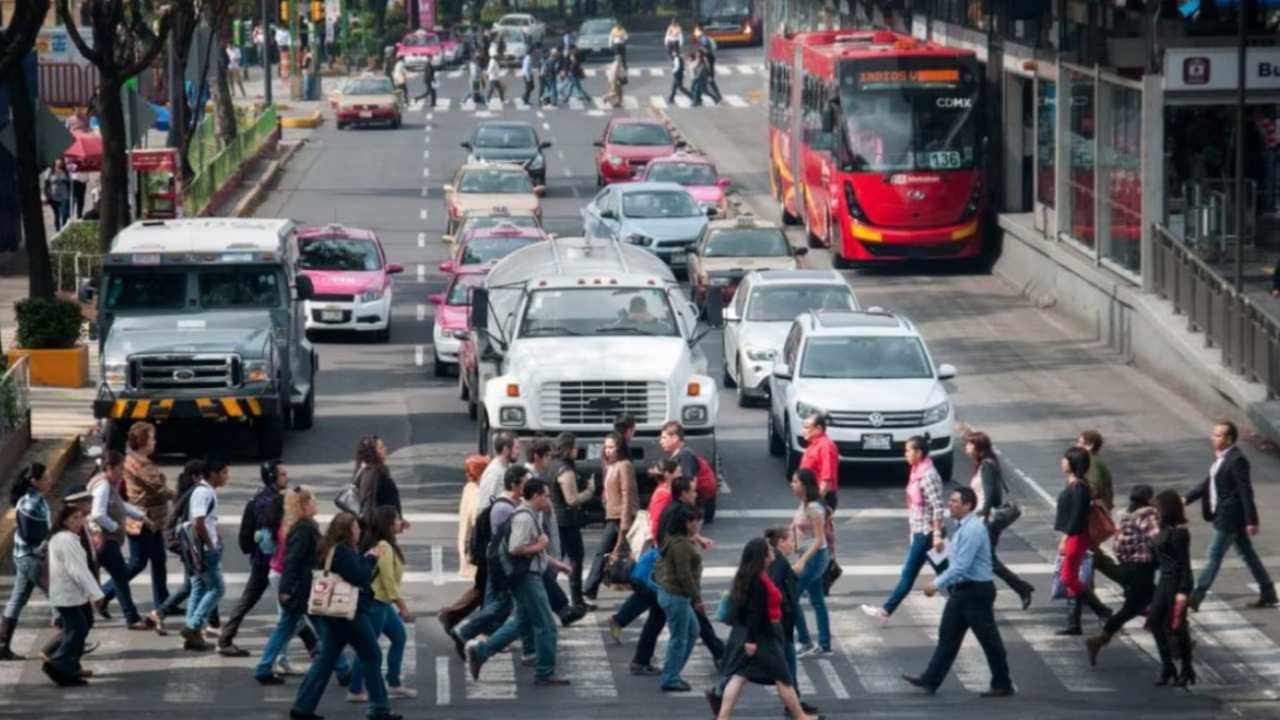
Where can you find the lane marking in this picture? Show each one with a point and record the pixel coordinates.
(419, 358)
(630, 103)
(422, 271)
(658, 101)
(560, 154)
(426, 172)
(546, 126)
(442, 681)
(422, 239)
(655, 72)
(541, 116)
(422, 312)
(431, 116)
(422, 214)
(576, 193)
(845, 516)
(829, 672)
(426, 155)
(437, 565)
(736, 101)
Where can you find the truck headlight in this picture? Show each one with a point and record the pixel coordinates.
(760, 355)
(373, 295)
(804, 410)
(694, 415)
(257, 371)
(512, 416)
(115, 373)
(937, 413)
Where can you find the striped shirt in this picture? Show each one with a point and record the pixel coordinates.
(34, 521)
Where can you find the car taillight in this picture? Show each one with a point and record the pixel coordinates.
(851, 200)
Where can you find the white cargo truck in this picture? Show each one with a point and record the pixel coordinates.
(573, 332)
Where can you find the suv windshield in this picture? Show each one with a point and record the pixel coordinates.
(339, 254)
(696, 174)
(865, 358)
(151, 290)
(747, 243)
(639, 134)
(494, 182)
(506, 137)
(487, 250)
(460, 291)
(783, 304)
(243, 288)
(483, 222)
(660, 204)
(598, 311)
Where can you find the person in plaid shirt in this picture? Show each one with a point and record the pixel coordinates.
(1132, 545)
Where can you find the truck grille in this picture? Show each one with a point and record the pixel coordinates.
(599, 402)
(869, 419)
(185, 372)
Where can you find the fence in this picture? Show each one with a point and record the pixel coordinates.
(1248, 338)
(227, 163)
(15, 398)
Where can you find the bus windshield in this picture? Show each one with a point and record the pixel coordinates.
(909, 114)
(733, 12)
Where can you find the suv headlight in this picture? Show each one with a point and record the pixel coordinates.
(257, 371)
(511, 416)
(694, 415)
(375, 294)
(937, 413)
(761, 355)
(804, 410)
(472, 158)
(115, 373)
(616, 161)
(640, 240)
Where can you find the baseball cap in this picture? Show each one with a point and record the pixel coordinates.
(76, 493)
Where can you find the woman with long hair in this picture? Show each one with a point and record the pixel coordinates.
(1133, 544)
(388, 612)
(989, 485)
(339, 553)
(810, 528)
(192, 473)
(678, 573)
(72, 590)
(1167, 617)
(470, 567)
(374, 479)
(1072, 521)
(27, 497)
(754, 651)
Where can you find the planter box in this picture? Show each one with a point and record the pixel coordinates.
(56, 368)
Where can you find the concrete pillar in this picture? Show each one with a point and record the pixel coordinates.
(1153, 198)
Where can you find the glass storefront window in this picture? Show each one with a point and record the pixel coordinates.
(1081, 137)
(1120, 165)
(1046, 148)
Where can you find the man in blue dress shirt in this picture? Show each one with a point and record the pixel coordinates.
(970, 602)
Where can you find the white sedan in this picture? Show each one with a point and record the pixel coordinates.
(534, 28)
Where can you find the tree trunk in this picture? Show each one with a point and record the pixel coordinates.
(224, 111)
(39, 269)
(180, 130)
(114, 207)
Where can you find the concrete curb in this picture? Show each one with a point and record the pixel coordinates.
(303, 123)
(260, 188)
(59, 460)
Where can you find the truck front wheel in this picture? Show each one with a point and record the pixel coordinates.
(270, 431)
(114, 434)
(304, 415)
(483, 432)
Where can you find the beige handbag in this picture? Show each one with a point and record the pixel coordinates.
(331, 596)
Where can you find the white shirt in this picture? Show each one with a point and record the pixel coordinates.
(674, 36)
(1213, 480)
(491, 483)
(282, 37)
(204, 504)
(495, 70)
(70, 582)
(233, 58)
(100, 514)
(526, 67)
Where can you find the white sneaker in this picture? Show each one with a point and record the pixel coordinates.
(402, 692)
(357, 697)
(875, 612)
(803, 651)
(283, 668)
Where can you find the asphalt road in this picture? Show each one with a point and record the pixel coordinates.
(1026, 377)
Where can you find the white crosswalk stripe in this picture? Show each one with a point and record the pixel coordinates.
(586, 660)
(521, 104)
(684, 102)
(736, 101)
(656, 71)
(576, 104)
(443, 104)
(746, 69)
(599, 102)
(590, 72)
(630, 103)
(455, 73)
(658, 101)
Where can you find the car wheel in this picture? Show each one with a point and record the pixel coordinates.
(725, 378)
(775, 442)
(791, 457)
(395, 124)
(304, 415)
(383, 335)
(744, 400)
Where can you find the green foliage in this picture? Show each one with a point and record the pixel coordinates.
(48, 324)
(77, 237)
(10, 409)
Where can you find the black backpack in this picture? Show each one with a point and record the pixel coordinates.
(482, 532)
(249, 526)
(172, 543)
(505, 569)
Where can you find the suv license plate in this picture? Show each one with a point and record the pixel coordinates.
(331, 315)
(365, 114)
(679, 258)
(877, 442)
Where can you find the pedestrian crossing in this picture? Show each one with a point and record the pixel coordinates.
(595, 103)
(723, 70)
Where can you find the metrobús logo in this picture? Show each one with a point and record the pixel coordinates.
(914, 179)
(1196, 71)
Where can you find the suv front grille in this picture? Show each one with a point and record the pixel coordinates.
(599, 402)
(875, 419)
(185, 372)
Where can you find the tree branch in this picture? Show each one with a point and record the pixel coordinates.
(21, 35)
(152, 52)
(73, 31)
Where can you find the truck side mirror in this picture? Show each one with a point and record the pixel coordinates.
(305, 288)
(715, 308)
(480, 308)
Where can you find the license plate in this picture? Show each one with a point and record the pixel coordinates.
(679, 258)
(146, 259)
(595, 450)
(331, 315)
(365, 114)
(877, 442)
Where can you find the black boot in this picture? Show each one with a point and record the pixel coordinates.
(1073, 617)
(1185, 646)
(6, 636)
(1097, 606)
(1168, 672)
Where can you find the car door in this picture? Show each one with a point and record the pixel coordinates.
(733, 329)
(780, 388)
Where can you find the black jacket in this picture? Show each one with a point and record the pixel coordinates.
(1235, 509)
(754, 613)
(782, 575)
(1072, 517)
(376, 489)
(299, 560)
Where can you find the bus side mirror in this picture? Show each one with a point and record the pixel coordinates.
(480, 308)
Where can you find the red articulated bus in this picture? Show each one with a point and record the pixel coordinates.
(876, 145)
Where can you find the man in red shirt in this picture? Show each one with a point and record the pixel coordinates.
(664, 472)
(822, 457)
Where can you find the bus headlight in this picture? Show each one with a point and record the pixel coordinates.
(851, 200)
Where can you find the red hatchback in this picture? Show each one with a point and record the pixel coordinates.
(628, 146)
(486, 246)
(453, 317)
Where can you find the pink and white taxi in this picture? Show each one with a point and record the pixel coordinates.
(419, 48)
(352, 280)
(485, 246)
(453, 316)
(697, 174)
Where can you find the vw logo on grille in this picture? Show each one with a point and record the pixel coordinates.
(876, 419)
(184, 375)
(915, 194)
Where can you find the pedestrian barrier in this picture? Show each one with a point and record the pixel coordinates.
(15, 400)
(1248, 338)
(228, 164)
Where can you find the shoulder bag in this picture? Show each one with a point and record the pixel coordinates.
(1101, 526)
(331, 596)
(1007, 512)
(348, 498)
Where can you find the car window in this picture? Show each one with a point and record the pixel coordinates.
(243, 288)
(371, 86)
(740, 299)
(789, 349)
(504, 137)
(146, 290)
(460, 290)
(865, 358)
(747, 243)
(660, 204)
(514, 35)
(639, 134)
(565, 312)
(487, 182)
(784, 303)
(487, 250)
(339, 254)
(688, 174)
(484, 222)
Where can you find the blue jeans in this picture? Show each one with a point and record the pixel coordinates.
(495, 611)
(147, 549)
(633, 607)
(917, 556)
(533, 610)
(174, 601)
(575, 86)
(385, 619)
(111, 560)
(682, 624)
(287, 624)
(26, 579)
(207, 589)
(1219, 544)
(76, 621)
(811, 584)
(335, 636)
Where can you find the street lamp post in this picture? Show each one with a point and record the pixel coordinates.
(266, 50)
(1241, 69)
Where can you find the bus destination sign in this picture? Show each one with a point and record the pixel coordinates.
(897, 79)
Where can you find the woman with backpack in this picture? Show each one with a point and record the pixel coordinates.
(1134, 543)
(33, 531)
(388, 613)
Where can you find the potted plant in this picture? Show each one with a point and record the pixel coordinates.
(49, 335)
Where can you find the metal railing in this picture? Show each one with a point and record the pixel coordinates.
(72, 268)
(1209, 217)
(15, 397)
(227, 162)
(1247, 337)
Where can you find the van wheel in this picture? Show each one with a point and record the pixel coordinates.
(304, 415)
(482, 428)
(270, 431)
(813, 240)
(776, 447)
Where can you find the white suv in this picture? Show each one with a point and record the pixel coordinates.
(764, 307)
(873, 376)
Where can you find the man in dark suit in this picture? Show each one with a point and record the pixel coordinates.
(1228, 503)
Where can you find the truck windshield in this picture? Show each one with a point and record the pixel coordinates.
(909, 114)
(565, 312)
(243, 288)
(145, 291)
